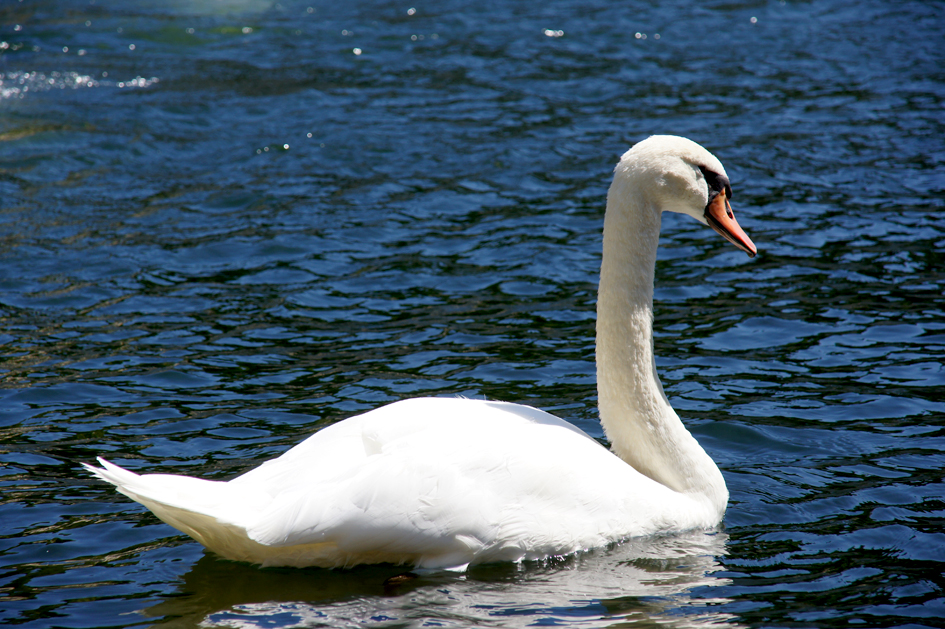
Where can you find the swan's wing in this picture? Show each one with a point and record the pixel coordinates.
(440, 476)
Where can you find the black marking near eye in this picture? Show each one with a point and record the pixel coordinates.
(716, 182)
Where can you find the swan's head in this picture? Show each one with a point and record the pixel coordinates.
(678, 175)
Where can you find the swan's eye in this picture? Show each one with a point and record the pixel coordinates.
(717, 183)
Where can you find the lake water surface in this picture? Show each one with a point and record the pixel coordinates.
(225, 224)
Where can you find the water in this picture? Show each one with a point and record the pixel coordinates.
(221, 229)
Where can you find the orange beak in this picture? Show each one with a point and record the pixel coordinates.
(720, 217)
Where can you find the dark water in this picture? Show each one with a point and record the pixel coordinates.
(221, 229)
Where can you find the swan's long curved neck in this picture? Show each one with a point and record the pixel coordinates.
(642, 426)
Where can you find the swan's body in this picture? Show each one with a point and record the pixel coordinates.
(441, 483)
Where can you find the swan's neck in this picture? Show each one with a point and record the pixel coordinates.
(642, 426)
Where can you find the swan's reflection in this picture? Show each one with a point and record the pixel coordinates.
(637, 582)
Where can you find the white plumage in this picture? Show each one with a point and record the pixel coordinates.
(442, 483)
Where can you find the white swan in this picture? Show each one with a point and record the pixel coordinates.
(442, 483)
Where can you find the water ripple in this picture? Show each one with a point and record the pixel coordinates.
(221, 230)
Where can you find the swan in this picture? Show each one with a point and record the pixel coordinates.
(441, 483)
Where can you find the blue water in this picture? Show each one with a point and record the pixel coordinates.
(225, 224)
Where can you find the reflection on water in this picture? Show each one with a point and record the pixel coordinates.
(639, 582)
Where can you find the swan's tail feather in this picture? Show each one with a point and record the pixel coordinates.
(210, 512)
(109, 472)
(193, 506)
(183, 492)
